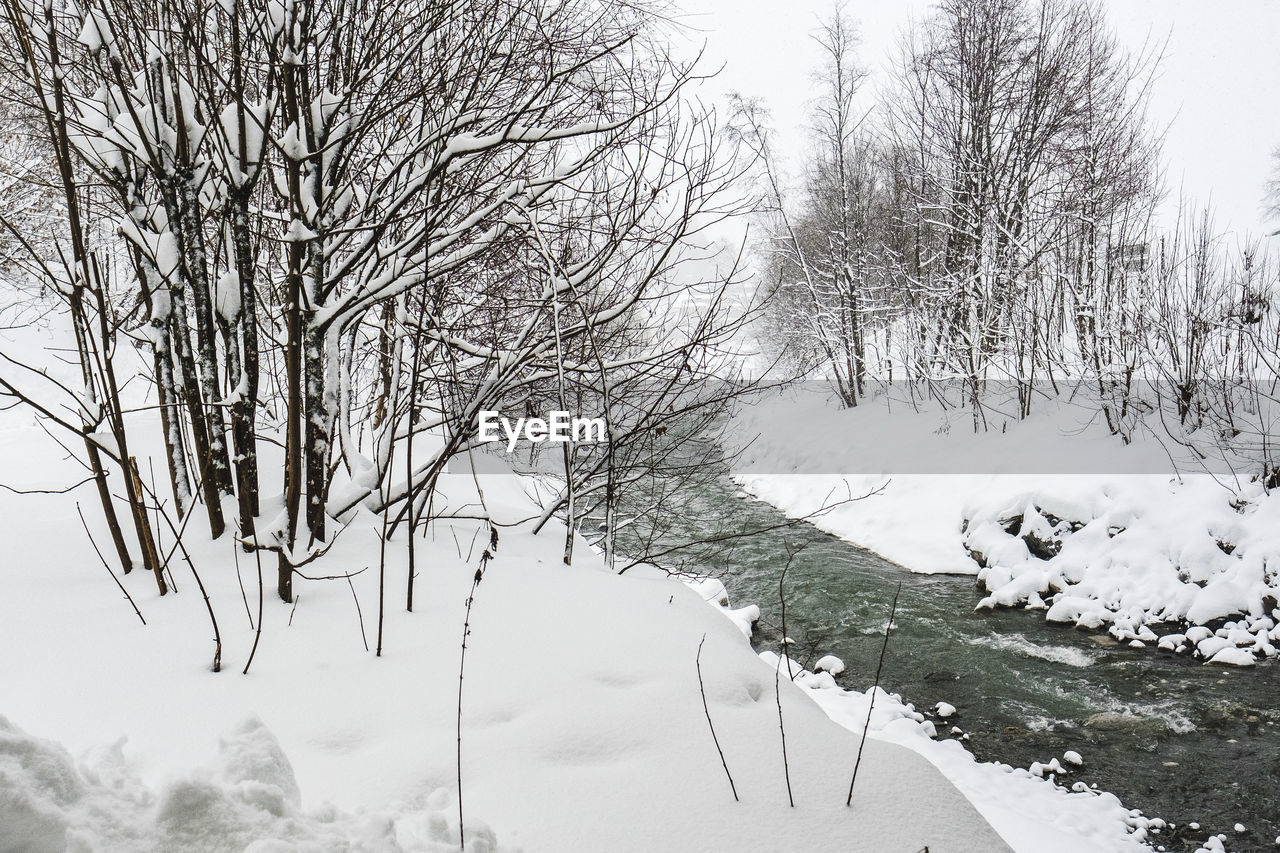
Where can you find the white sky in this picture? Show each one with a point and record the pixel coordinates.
(1219, 89)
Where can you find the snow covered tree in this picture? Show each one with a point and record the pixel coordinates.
(482, 192)
(1030, 119)
(826, 252)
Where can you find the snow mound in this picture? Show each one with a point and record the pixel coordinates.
(714, 593)
(248, 801)
(829, 663)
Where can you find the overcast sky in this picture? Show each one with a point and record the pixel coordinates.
(1219, 89)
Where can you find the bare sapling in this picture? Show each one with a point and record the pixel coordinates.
(875, 686)
(702, 689)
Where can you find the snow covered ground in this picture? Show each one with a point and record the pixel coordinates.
(1188, 562)
(583, 723)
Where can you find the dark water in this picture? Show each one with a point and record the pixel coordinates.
(1205, 743)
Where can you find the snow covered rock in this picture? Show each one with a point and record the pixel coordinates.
(711, 589)
(829, 663)
(1233, 656)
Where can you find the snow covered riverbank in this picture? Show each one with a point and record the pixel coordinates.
(1187, 562)
(1034, 809)
(583, 725)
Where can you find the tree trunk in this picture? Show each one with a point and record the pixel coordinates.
(293, 473)
(195, 255)
(318, 418)
(189, 393)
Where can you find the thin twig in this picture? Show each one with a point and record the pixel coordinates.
(186, 556)
(155, 499)
(777, 681)
(707, 710)
(344, 576)
(106, 565)
(217, 635)
(359, 615)
(47, 491)
(235, 555)
(257, 555)
(485, 557)
(893, 609)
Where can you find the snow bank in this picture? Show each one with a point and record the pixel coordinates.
(1032, 809)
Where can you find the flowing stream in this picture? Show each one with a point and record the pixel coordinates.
(1169, 735)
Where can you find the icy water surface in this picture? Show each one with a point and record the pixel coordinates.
(1176, 738)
